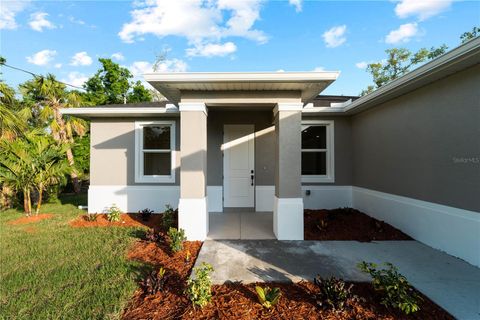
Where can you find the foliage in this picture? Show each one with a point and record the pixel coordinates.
(469, 35)
(145, 214)
(334, 293)
(199, 288)
(177, 237)
(111, 85)
(398, 62)
(91, 217)
(113, 213)
(81, 154)
(268, 297)
(394, 287)
(32, 161)
(154, 282)
(168, 217)
(153, 236)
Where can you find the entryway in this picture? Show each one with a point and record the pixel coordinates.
(241, 225)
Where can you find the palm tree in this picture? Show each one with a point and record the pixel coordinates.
(17, 169)
(48, 96)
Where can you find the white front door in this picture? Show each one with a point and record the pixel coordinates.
(238, 165)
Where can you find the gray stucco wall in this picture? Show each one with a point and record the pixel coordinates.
(425, 144)
(112, 152)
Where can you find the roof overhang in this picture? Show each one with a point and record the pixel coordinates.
(308, 84)
(133, 110)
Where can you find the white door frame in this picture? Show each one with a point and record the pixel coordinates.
(249, 200)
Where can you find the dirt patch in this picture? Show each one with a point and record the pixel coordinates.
(126, 220)
(347, 224)
(239, 301)
(31, 219)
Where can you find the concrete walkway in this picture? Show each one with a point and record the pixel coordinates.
(448, 281)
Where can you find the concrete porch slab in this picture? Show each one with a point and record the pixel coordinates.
(240, 225)
(448, 281)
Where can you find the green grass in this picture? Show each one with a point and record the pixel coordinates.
(50, 270)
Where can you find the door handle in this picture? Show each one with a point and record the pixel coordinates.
(251, 177)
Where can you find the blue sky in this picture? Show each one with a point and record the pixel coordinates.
(67, 37)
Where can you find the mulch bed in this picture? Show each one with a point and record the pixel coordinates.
(30, 219)
(126, 220)
(239, 301)
(347, 224)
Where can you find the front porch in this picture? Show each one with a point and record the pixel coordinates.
(244, 225)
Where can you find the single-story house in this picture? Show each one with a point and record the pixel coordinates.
(408, 153)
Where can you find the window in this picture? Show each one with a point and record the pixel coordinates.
(317, 151)
(155, 154)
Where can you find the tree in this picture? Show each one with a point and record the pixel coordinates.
(111, 85)
(398, 62)
(48, 96)
(139, 93)
(32, 161)
(467, 36)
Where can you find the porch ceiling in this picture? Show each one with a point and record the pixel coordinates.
(308, 84)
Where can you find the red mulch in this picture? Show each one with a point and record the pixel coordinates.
(30, 219)
(347, 224)
(126, 220)
(239, 301)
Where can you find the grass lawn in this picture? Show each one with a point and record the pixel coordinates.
(50, 270)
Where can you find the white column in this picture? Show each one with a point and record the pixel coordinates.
(288, 206)
(192, 207)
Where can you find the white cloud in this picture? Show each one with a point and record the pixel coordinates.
(403, 34)
(361, 65)
(58, 65)
(335, 36)
(200, 22)
(76, 21)
(297, 4)
(9, 10)
(38, 21)
(81, 59)
(42, 58)
(212, 49)
(118, 56)
(423, 9)
(75, 78)
(138, 68)
(318, 69)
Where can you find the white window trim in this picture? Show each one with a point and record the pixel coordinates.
(330, 150)
(139, 176)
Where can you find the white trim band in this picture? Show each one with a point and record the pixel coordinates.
(193, 106)
(288, 218)
(193, 218)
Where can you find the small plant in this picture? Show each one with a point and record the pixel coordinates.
(168, 217)
(152, 236)
(393, 286)
(145, 214)
(154, 282)
(187, 256)
(334, 293)
(268, 297)
(113, 213)
(199, 289)
(177, 237)
(322, 226)
(91, 217)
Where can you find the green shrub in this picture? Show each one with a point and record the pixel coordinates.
(334, 293)
(113, 213)
(168, 217)
(268, 297)
(91, 217)
(177, 237)
(154, 282)
(394, 287)
(199, 289)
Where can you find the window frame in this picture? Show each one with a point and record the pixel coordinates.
(329, 177)
(140, 177)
